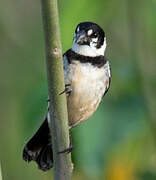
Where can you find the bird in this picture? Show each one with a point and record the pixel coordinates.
(87, 76)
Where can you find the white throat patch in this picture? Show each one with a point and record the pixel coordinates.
(91, 50)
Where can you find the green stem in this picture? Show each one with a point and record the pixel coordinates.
(58, 107)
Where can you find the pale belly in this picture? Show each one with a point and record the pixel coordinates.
(80, 108)
(87, 92)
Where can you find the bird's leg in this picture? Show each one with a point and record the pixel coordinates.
(67, 89)
(68, 150)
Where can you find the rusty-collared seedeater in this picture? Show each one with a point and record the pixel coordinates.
(87, 79)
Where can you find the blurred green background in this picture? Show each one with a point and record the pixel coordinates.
(119, 141)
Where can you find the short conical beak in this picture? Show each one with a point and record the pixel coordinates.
(81, 37)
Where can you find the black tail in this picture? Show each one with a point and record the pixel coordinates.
(39, 148)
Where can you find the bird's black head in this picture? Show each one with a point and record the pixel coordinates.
(89, 37)
(90, 32)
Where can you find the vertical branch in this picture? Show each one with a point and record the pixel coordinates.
(0, 172)
(58, 109)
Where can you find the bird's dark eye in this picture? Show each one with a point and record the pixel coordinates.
(94, 35)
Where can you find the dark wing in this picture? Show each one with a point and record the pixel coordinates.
(108, 68)
(38, 148)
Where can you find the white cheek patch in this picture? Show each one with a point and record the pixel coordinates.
(93, 43)
(89, 50)
(94, 40)
(90, 31)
